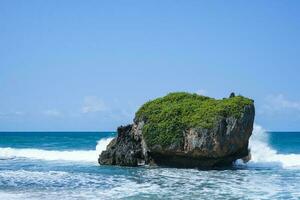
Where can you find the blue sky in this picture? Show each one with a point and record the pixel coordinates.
(88, 65)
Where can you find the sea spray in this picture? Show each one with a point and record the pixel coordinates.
(35, 179)
(40, 154)
(101, 144)
(262, 155)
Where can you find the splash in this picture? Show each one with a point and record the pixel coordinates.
(40, 154)
(262, 155)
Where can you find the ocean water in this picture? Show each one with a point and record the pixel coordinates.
(64, 166)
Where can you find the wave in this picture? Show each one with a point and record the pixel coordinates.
(262, 155)
(69, 185)
(40, 154)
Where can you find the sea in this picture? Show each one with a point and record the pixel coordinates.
(63, 165)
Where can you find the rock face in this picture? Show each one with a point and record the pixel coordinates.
(217, 145)
(124, 150)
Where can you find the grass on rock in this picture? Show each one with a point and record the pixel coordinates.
(167, 117)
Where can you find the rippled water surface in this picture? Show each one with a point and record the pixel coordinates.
(64, 166)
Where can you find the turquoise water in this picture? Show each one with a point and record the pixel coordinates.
(285, 142)
(63, 165)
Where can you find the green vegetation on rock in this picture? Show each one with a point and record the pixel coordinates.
(167, 117)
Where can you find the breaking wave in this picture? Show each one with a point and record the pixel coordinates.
(262, 155)
(74, 155)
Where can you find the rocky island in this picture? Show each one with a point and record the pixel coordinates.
(184, 130)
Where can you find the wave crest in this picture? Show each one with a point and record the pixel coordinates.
(40, 154)
(262, 155)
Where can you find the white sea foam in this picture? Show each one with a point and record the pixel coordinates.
(76, 155)
(262, 155)
(76, 185)
(148, 183)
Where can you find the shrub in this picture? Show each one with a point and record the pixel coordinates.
(167, 117)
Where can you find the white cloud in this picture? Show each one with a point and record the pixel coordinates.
(279, 103)
(201, 92)
(12, 113)
(93, 104)
(52, 113)
(19, 113)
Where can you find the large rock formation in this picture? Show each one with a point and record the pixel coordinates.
(184, 130)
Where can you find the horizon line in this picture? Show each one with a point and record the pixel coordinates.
(110, 131)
